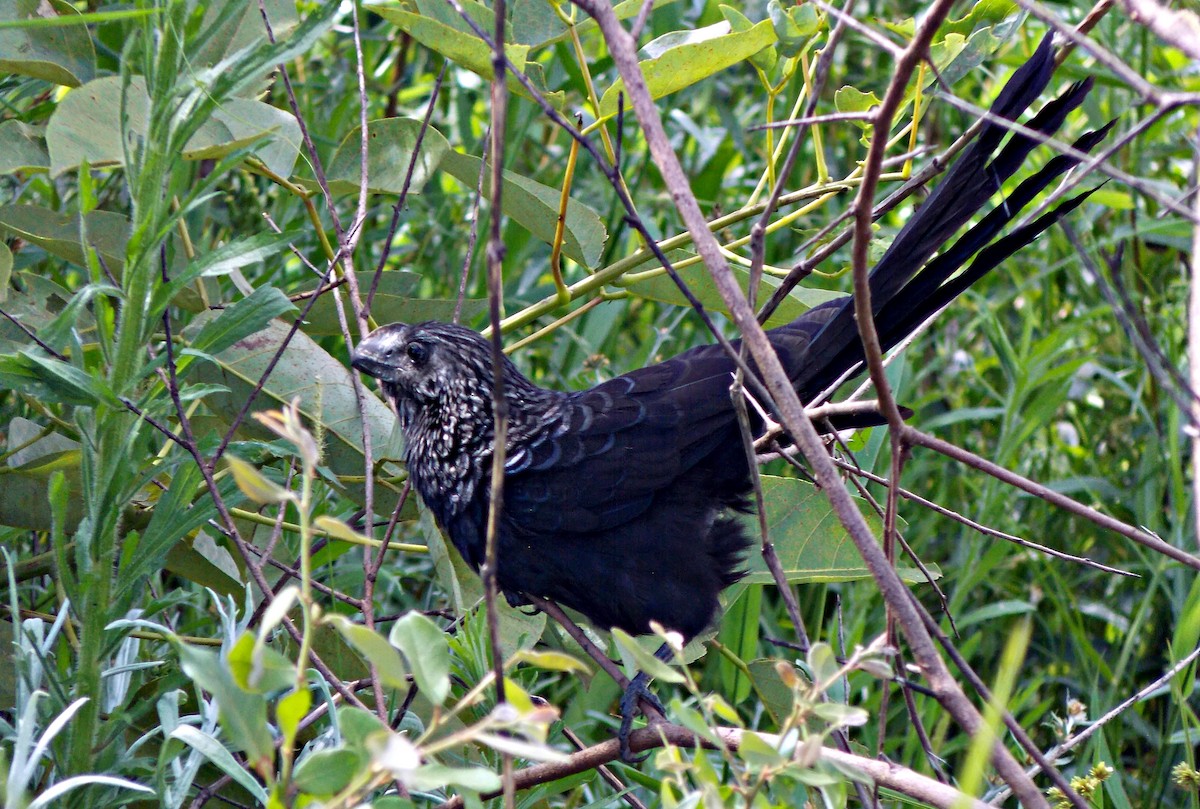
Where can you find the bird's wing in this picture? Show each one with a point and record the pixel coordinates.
(604, 453)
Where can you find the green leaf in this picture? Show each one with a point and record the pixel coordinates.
(291, 708)
(255, 485)
(237, 254)
(739, 635)
(535, 207)
(35, 374)
(390, 144)
(357, 725)
(809, 539)
(661, 288)
(87, 127)
(375, 648)
(242, 714)
(777, 696)
(322, 383)
(840, 715)
(757, 753)
(215, 752)
(58, 233)
(242, 319)
(461, 47)
(850, 99)
(428, 655)
(794, 25)
(57, 54)
(637, 658)
(551, 661)
(435, 776)
(239, 122)
(22, 148)
(738, 22)
(396, 301)
(693, 62)
(258, 668)
(328, 771)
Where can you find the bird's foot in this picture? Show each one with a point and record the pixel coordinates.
(637, 691)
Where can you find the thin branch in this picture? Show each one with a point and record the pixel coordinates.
(891, 776)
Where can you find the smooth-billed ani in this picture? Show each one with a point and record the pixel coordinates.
(618, 499)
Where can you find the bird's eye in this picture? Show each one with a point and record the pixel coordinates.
(418, 352)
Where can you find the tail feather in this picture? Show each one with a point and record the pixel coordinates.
(930, 290)
(904, 288)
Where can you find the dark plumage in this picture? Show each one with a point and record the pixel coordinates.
(618, 499)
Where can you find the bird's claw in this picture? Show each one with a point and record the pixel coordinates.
(637, 691)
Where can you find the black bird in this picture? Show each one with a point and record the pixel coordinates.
(618, 500)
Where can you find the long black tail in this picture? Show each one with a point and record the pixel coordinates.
(906, 286)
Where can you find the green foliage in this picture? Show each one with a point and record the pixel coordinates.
(199, 588)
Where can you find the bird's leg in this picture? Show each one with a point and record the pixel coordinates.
(638, 691)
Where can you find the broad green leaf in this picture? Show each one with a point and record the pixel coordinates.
(850, 99)
(186, 562)
(777, 696)
(357, 725)
(241, 320)
(428, 655)
(738, 22)
(58, 233)
(794, 25)
(328, 771)
(61, 54)
(841, 715)
(535, 207)
(23, 495)
(87, 127)
(326, 395)
(239, 122)
(230, 26)
(375, 648)
(395, 301)
(461, 47)
(534, 24)
(690, 63)
(255, 485)
(258, 668)
(811, 543)
(699, 281)
(22, 148)
(637, 658)
(290, 710)
(243, 715)
(757, 753)
(390, 144)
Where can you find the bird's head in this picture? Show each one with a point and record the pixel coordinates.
(428, 363)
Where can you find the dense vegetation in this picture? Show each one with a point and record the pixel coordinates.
(217, 588)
